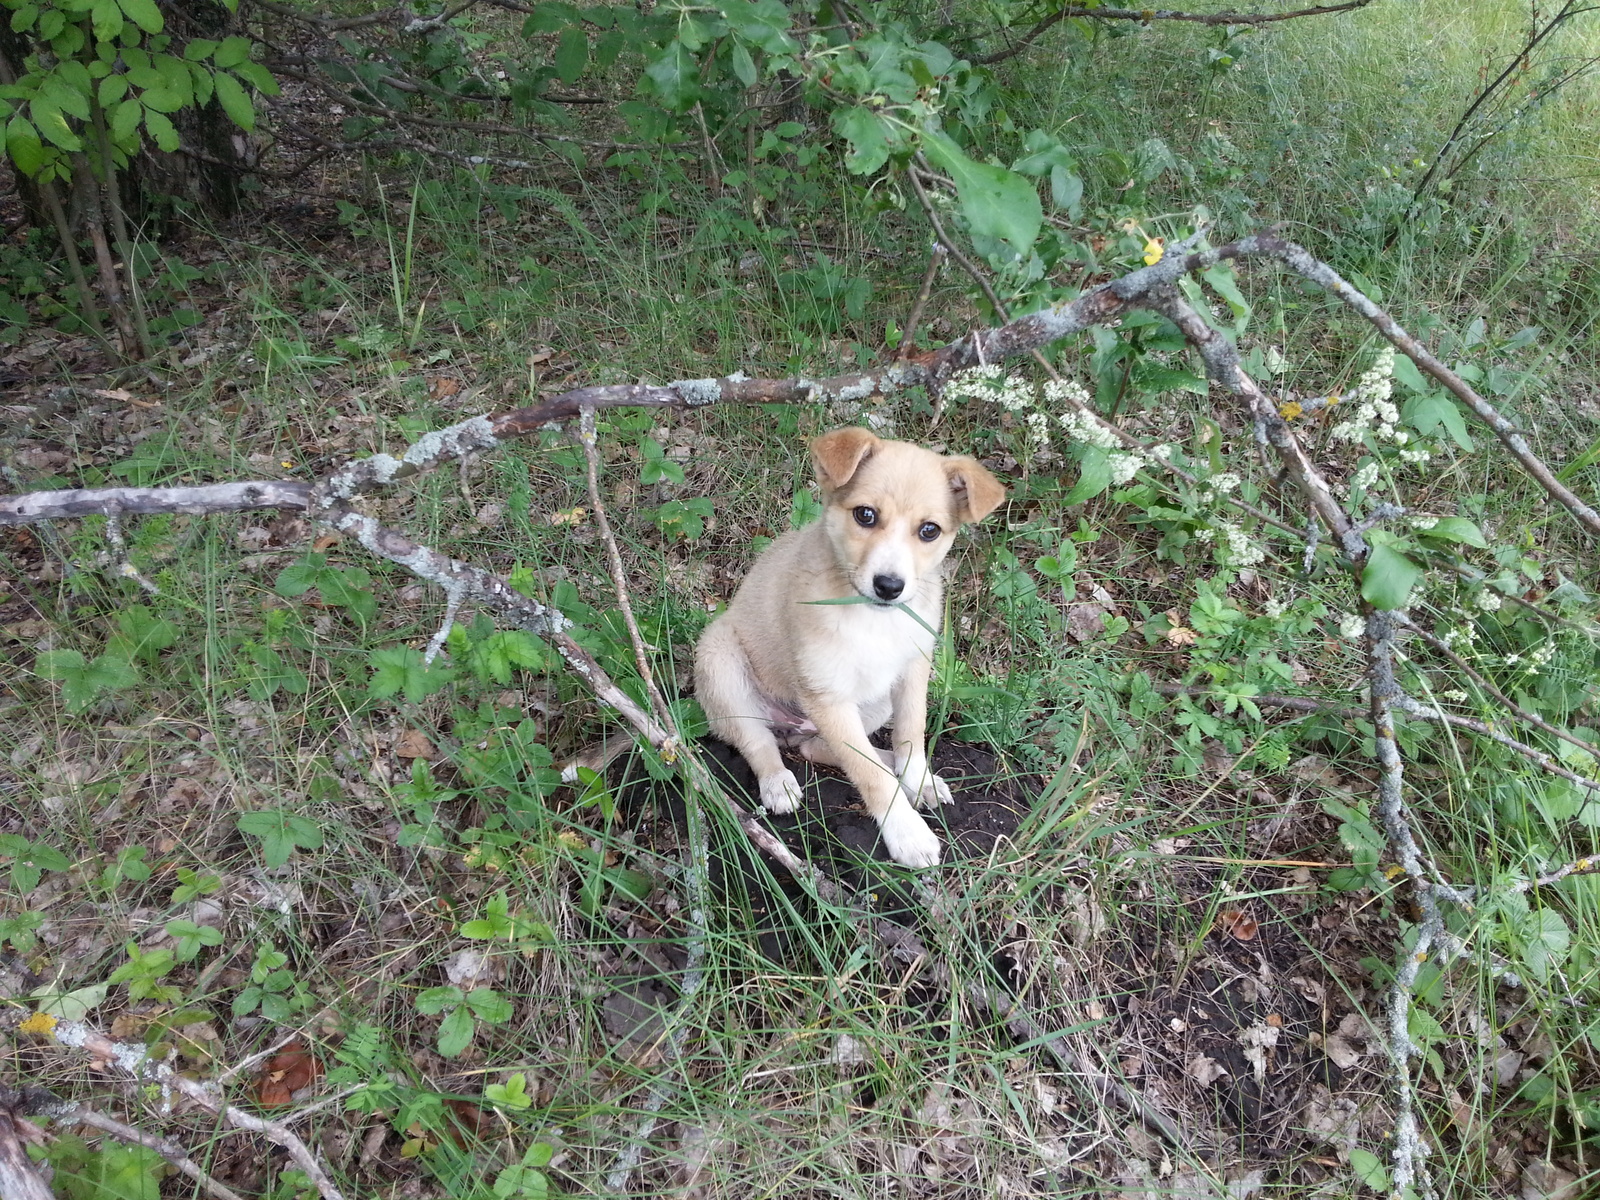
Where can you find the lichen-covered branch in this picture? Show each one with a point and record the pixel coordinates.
(135, 1060)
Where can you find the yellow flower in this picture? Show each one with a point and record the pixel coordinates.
(41, 1023)
(1291, 410)
(1152, 251)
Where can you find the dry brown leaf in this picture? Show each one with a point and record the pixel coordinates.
(1238, 924)
(285, 1073)
(1205, 1070)
(413, 743)
(325, 541)
(444, 386)
(1181, 635)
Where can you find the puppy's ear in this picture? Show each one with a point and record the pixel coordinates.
(977, 493)
(839, 454)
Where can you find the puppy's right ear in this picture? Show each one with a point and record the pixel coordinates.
(839, 454)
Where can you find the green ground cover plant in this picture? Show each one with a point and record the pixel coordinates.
(244, 801)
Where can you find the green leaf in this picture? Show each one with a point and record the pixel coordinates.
(257, 76)
(743, 65)
(402, 670)
(231, 51)
(1456, 529)
(198, 49)
(551, 17)
(489, 1005)
(144, 14)
(280, 833)
(1409, 376)
(59, 664)
(764, 23)
(1429, 412)
(23, 19)
(868, 135)
(48, 119)
(1369, 1169)
(455, 1032)
(996, 202)
(675, 77)
(433, 1001)
(1388, 577)
(512, 1094)
(162, 130)
(1094, 475)
(24, 146)
(572, 53)
(235, 101)
(107, 20)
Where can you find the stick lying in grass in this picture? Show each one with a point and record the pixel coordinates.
(134, 1059)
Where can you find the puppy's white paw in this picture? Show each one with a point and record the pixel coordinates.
(925, 788)
(907, 837)
(780, 793)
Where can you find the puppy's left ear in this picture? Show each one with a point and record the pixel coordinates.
(976, 492)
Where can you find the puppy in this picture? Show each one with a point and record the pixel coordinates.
(779, 667)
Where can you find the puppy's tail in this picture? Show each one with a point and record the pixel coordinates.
(597, 757)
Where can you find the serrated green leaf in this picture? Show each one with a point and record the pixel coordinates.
(433, 1001)
(198, 49)
(1369, 1169)
(112, 89)
(258, 77)
(106, 18)
(162, 130)
(24, 146)
(1388, 577)
(455, 1032)
(24, 17)
(868, 135)
(489, 1005)
(231, 52)
(675, 77)
(235, 101)
(996, 202)
(572, 53)
(124, 121)
(144, 14)
(50, 122)
(59, 664)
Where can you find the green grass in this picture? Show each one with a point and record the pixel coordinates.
(814, 1066)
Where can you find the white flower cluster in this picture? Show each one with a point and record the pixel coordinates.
(991, 384)
(1352, 626)
(1423, 524)
(1366, 475)
(1369, 401)
(1487, 600)
(1080, 427)
(1242, 552)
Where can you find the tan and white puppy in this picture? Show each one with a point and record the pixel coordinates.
(776, 665)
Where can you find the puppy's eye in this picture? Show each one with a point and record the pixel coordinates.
(928, 531)
(865, 515)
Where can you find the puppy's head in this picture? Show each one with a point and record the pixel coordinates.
(891, 509)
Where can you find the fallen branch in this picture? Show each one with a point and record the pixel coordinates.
(135, 1060)
(1147, 15)
(171, 1151)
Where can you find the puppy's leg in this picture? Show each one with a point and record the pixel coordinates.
(910, 754)
(738, 715)
(905, 834)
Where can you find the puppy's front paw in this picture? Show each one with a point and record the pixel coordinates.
(780, 793)
(907, 837)
(925, 788)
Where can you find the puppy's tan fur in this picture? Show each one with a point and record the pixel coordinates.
(820, 677)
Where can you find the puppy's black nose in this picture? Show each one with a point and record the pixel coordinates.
(888, 587)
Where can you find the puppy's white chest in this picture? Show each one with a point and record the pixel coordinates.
(866, 654)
